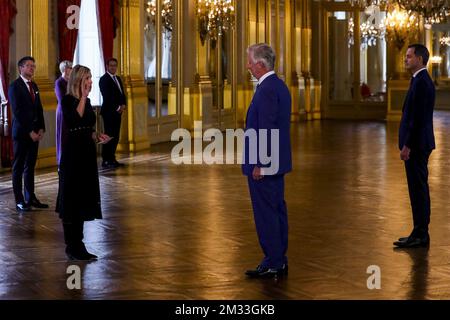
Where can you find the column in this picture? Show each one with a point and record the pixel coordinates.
(204, 108)
(298, 107)
(311, 90)
(134, 134)
(43, 47)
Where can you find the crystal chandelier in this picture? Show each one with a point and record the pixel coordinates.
(369, 33)
(436, 59)
(370, 30)
(166, 14)
(368, 3)
(214, 16)
(445, 41)
(401, 26)
(433, 11)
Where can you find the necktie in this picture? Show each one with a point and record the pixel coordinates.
(117, 82)
(30, 87)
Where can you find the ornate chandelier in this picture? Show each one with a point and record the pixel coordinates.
(166, 14)
(370, 30)
(369, 33)
(368, 3)
(401, 26)
(445, 41)
(214, 16)
(433, 11)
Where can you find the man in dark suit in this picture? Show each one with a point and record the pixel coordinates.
(28, 129)
(114, 102)
(416, 141)
(267, 158)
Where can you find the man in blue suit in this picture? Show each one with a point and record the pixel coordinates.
(28, 129)
(267, 158)
(416, 141)
(114, 103)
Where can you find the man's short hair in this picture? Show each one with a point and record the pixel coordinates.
(64, 65)
(111, 59)
(421, 51)
(23, 60)
(264, 53)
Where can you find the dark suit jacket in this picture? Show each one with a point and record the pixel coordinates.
(112, 97)
(416, 126)
(27, 116)
(270, 109)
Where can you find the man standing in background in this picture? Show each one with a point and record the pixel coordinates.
(27, 130)
(60, 91)
(114, 102)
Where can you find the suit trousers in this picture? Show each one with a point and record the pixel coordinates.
(111, 124)
(419, 193)
(25, 156)
(270, 214)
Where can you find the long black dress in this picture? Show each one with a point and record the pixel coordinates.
(79, 191)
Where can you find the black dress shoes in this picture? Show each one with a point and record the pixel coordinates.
(264, 272)
(106, 164)
(412, 242)
(37, 204)
(118, 164)
(111, 164)
(22, 207)
(91, 256)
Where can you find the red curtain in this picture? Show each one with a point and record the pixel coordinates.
(109, 20)
(8, 10)
(67, 37)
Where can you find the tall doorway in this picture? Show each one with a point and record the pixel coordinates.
(354, 63)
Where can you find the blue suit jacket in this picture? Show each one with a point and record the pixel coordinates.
(416, 126)
(28, 116)
(112, 97)
(270, 109)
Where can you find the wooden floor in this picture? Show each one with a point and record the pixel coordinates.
(187, 232)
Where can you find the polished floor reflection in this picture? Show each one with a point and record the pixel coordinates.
(186, 232)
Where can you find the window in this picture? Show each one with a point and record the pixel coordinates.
(87, 51)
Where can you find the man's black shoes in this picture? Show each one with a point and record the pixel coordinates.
(107, 164)
(412, 242)
(118, 164)
(37, 204)
(23, 207)
(111, 164)
(264, 272)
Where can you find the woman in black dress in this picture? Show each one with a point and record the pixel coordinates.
(79, 190)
